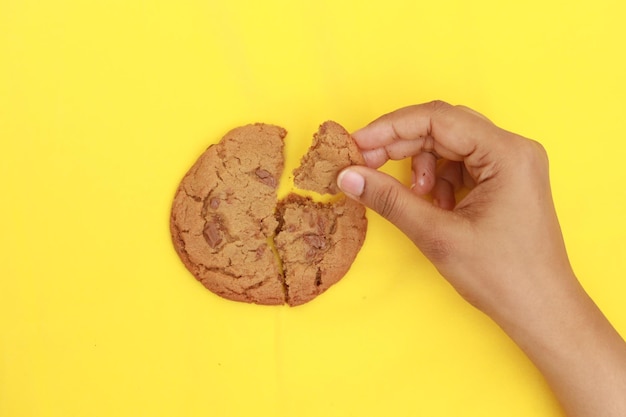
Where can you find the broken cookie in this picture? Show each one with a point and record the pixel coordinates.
(223, 215)
(225, 219)
(332, 150)
(317, 243)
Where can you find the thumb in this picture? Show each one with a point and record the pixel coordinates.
(426, 225)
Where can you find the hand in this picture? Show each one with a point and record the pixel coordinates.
(500, 246)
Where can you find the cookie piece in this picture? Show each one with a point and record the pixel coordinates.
(317, 243)
(223, 215)
(332, 150)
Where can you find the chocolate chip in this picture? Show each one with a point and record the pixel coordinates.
(265, 177)
(312, 220)
(315, 241)
(212, 234)
(214, 203)
(321, 224)
(310, 254)
(318, 278)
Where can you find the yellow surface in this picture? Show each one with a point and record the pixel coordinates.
(105, 104)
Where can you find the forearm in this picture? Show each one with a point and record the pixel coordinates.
(575, 347)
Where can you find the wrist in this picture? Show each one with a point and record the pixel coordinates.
(573, 345)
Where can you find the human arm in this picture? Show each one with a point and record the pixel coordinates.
(500, 247)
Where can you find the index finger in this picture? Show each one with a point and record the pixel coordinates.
(453, 132)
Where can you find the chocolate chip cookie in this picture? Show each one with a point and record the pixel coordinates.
(240, 243)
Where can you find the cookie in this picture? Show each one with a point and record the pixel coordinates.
(317, 243)
(332, 150)
(223, 215)
(241, 243)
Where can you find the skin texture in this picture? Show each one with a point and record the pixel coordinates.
(500, 246)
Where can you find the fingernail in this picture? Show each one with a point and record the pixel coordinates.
(421, 181)
(351, 182)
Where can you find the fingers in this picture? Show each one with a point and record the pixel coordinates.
(395, 151)
(423, 165)
(392, 200)
(375, 158)
(452, 132)
(443, 195)
(449, 180)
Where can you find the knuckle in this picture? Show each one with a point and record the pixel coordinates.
(540, 151)
(532, 154)
(439, 105)
(473, 112)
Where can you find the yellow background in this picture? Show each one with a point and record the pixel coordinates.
(104, 105)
